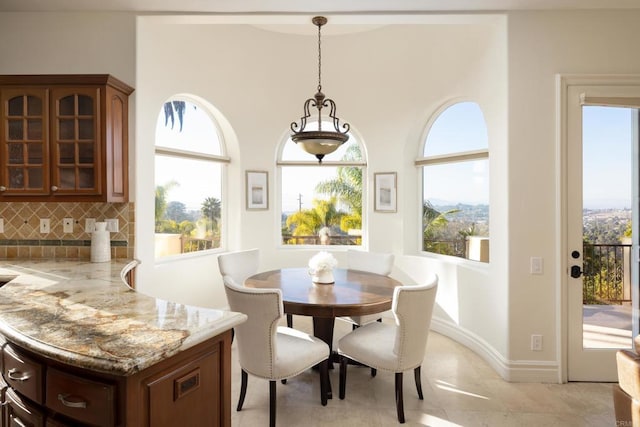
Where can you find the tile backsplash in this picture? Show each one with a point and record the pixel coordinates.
(22, 238)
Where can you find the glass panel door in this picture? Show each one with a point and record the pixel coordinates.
(601, 178)
(75, 141)
(24, 152)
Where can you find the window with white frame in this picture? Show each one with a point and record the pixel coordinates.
(189, 166)
(455, 184)
(322, 203)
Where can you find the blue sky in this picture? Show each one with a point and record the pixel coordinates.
(606, 157)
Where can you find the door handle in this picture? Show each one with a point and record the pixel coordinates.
(576, 271)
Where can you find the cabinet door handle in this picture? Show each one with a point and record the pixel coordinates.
(16, 375)
(17, 422)
(3, 188)
(63, 398)
(54, 188)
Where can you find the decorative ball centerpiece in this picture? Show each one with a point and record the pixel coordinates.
(321, 267)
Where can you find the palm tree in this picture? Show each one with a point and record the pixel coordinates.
(161, 199)
(434, 223)
(346, 187)
(179, 107)
(211, 208)
(308, 222)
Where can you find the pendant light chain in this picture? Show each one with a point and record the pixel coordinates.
(319, 60)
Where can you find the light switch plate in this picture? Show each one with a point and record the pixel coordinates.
(89, 225)
(537, 265)
(112, 225)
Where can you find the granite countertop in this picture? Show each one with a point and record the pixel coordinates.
(82, 314)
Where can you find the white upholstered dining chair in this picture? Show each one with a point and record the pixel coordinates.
(240, 265)
(269, 351)
(373, 262)
(394, 347)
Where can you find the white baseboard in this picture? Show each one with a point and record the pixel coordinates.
(537, 371)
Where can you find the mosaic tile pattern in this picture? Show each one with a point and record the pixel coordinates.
(22, 237)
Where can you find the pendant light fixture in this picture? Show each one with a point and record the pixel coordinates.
(317, 141)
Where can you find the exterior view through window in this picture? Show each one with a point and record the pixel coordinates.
(607, 174)
(455, 203)
(189, 163)
(322, 204)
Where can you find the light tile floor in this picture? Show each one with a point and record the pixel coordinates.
(460, 389)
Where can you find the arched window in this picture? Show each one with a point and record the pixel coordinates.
(455, 186)
(189, 163)
(322, 204)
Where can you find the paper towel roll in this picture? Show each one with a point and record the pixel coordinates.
(100, 243)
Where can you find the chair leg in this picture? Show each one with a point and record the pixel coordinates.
(272, 404)
(324, 381)
(399, 401)
(243, 389)
(416, 374)
(290, 320)
(344, 361)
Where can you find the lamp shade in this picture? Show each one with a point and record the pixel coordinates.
(319, 143)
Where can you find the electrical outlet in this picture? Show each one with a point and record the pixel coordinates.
(45, 225)
(536, 342)
(112, 225)
(1, 225)
(67, 225)
(89, 225)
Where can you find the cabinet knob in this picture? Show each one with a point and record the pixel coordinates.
(54, 188)
(3, 188)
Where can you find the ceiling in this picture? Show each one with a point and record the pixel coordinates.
(308, 6)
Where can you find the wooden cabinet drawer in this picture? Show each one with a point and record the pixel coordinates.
(188, 396)
(23, 373)
(88, 401)
(20, 412)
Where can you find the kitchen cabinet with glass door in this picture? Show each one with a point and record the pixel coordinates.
(63, 138)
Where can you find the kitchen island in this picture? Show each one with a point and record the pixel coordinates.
(79, 347)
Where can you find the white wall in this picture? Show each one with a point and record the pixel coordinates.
(542, 44)
(59, 43)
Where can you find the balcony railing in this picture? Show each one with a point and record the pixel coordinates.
(192, 244)
(346, 240)
(475, 248)
(607, 273)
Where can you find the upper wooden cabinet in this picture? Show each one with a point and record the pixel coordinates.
(64, 138)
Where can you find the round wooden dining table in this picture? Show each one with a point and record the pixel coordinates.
(353, 293)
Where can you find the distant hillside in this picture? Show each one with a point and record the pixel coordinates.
(605, 226)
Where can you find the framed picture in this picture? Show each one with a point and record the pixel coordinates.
(385, 192)
(257, 190)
